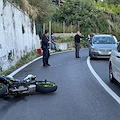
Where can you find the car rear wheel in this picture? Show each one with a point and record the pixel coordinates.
(111, 77)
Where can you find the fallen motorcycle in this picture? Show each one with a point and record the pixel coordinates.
(29, 85)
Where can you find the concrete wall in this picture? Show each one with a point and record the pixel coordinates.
(64, 34)
(62, 46)
(17, 36)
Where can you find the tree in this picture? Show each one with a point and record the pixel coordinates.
(115, 2)
(45, 9)
(82, 11)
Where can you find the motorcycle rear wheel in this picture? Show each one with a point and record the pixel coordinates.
(45, 86)
(3, 89)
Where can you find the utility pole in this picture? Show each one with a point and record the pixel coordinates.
(49, 27)
(78, 26)
(43, 28)
(109, 29)
(71, 28)
(63, 26)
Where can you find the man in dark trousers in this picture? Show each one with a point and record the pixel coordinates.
(45, 44)
(77, 44)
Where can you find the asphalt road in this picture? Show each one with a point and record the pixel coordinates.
(101, 66)
(79, 95)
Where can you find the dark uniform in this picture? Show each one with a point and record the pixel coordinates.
(45, 49)
(77, 45)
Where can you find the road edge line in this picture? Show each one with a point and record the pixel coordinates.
(19, 69)
(108, 89)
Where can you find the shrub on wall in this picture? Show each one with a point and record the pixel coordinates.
(39, 10)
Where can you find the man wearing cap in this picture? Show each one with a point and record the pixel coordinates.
(45, 44)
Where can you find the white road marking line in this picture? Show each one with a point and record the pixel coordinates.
(19, 69)
(108, 89)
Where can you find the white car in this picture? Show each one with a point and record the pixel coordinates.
(114, 65)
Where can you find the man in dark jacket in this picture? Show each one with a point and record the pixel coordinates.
(45, 44)
(77, 44)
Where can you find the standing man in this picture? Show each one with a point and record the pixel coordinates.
(77, 44)
(45, 44)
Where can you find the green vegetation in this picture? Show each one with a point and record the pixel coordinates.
(57, 27)
(59, 50)
(63, 39)
(89, 16)
(1, 87)
(70, 41)
(27, 58)
(93, 16)
(112, 6)
(39, 10)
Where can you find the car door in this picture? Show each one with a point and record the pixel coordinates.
(116, 63)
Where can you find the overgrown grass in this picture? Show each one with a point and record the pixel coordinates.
(27, 58)
(58, 50)
(58, 27)
(70, 41)
(39, 10)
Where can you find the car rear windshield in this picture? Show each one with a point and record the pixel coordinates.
(103, 40)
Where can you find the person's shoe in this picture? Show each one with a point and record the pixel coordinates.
(45, 65)
(48, 64)
(78, 57)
